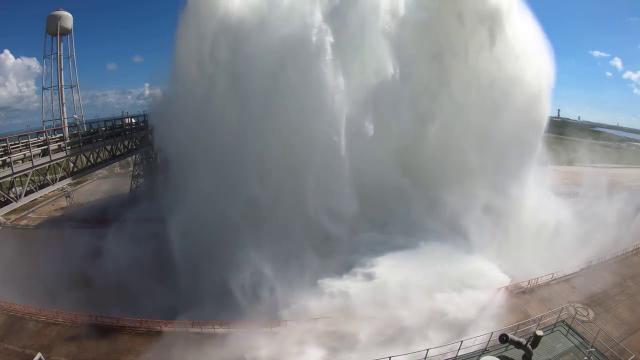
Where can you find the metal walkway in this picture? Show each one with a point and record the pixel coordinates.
(568, 336)
(34, 163)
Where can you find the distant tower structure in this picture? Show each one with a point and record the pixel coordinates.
(61, 101)
(558, 112)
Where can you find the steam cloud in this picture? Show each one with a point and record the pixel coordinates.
(371, 161)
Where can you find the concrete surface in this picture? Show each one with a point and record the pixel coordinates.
(611, 290)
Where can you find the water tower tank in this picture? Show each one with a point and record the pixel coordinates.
(59, 17)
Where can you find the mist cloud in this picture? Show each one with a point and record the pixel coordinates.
(339, 158)
(283, 186)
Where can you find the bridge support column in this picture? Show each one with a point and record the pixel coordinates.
(144, 164)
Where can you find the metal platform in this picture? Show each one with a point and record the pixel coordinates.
(34, 163)
(568, 335)
(560, 342)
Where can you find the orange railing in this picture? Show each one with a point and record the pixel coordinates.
(133, 324)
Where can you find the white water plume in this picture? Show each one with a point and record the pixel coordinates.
(371, 160)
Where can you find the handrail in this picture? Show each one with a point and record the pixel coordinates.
(550, 277)
(140, 324)
(22, 154)
(447, 351)
(551, 318)
(17, 149)
(75, 126)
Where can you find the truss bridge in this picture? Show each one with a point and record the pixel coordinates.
(36, 162)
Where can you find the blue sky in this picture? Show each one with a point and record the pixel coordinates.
(576, 27)
(106, 32)
(109, 34)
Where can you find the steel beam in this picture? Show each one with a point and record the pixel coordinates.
(33, 163)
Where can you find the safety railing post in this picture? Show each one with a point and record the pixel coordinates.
(538, 323)
(30, 150)
(66, 141)
(573, 319)
(426, 355)
(488, 342)
(46, 134)
(80, 131)
(9, 153)
(458, 351)
(558, 318)
(595, 338)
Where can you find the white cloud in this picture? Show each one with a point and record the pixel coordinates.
(609, 74)
(112, 66)
(137, 59)
(20, 98)
(598, 53)
(616, 62)
(18, 81)
(634, 77)
(110, 102)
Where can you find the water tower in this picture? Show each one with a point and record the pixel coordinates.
(61, 101)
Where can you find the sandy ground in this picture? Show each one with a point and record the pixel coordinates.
(100, 200)
(67, 248)
(615, 178)
(86, 255)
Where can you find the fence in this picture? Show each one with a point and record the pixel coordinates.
(132, 324)
(548, 278)
(36, 162)
(27, 150)
(597, 337)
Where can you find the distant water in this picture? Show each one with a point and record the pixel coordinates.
(18, 128)
(15, 132)
(620, 133)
